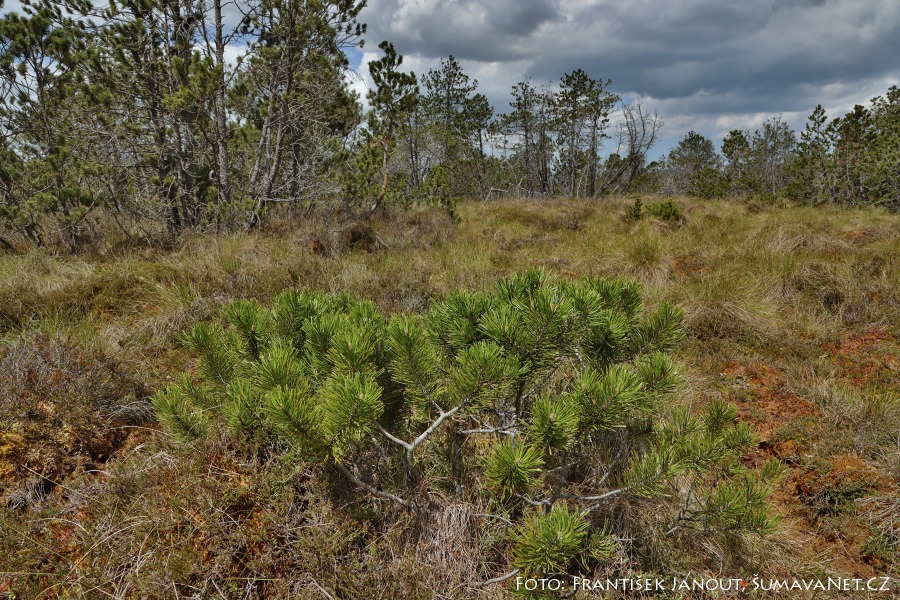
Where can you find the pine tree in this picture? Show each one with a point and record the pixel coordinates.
(811, 170)
(543, 403)
(736, 149)
(881, 157)
(447, 93)
(394, 96)
(530, 125)
(696, 167)
(44, 160)
(771, 152)
(581, 110)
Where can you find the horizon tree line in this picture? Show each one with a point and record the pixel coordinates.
(128, 116)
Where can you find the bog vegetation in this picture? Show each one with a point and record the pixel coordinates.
(537, 406)
(528, 387)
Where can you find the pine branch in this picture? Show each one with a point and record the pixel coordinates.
(424, 435)
(500, 579)
(540, 384)
(372, 489)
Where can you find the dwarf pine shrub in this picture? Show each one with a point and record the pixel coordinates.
(634, 212)
(666, 210)
(543, 403)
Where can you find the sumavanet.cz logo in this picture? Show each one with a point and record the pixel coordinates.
(703, 584)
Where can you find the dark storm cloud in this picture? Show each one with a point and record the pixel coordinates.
(473, 30)
(707, 62)
(519, 18)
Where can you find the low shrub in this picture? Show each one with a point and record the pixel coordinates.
(666, 210)
(634, 212)
(542, 405)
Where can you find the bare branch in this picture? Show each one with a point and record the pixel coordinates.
(394, 439)
(500, 579)
(372, 489)
(498, 517)
(437, 423)
(424, 435)
(502, 430)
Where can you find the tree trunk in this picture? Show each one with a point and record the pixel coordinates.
(385, 152)
(592, 177)
(222, 175)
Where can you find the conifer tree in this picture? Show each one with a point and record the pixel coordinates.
(530, 125)
(811, 169)
(543, 403)
(736, 150)
(43, 160)
(852, 135)
(582, 107)
(479, 116)
(695, 167)
(881, 156)
(394, 96)
(447, 93)
(771, 153)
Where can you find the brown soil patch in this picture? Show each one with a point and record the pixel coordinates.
(764, 398)
(863, 358)
(689, 265)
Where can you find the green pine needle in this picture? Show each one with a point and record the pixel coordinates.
(547, 543)
(512, 465)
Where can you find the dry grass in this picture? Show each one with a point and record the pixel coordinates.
(794, 314)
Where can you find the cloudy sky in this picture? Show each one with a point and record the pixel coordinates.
(706, 65)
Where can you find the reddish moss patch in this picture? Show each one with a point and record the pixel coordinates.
(830, 486)
(764, 398)
(818, 498)
(863, 358)
(864, 235)
(819, 504)
(61, 410)
(689, 265)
